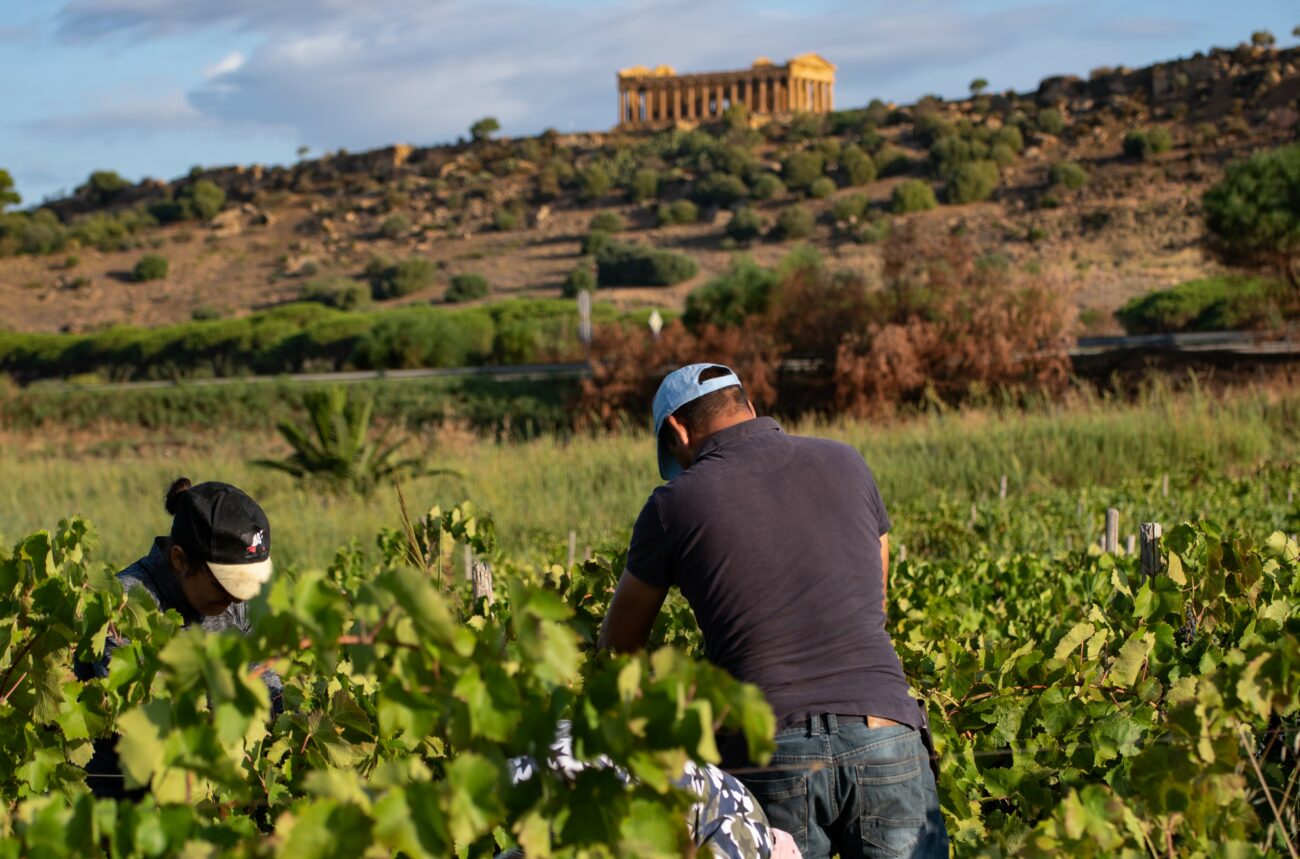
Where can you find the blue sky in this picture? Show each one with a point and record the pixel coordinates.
(152, 87)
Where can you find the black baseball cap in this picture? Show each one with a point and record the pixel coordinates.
(222, 526)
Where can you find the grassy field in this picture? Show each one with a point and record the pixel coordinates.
(539, 490)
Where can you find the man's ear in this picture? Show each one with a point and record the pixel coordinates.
(679, 432)
(180, 563)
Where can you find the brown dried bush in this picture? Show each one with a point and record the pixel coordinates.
(628, 365)
(946, 322)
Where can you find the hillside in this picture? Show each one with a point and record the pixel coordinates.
(515, 211)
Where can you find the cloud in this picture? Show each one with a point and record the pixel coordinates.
(419, 72)
(227, 64)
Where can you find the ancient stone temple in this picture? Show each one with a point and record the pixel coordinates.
(661, 97)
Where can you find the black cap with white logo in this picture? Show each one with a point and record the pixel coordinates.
(222, 526)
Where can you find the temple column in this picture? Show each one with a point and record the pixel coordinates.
(749, 94)
(677, 102)
(735, 91)
(830, 96)
(762, 96)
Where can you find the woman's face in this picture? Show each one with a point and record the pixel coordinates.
(201, 588)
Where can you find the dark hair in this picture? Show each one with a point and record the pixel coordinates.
(172, 502)
(701, 412)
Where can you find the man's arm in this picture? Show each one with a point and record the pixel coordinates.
(884, 572)
(631, 614)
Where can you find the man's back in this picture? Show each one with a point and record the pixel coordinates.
(775, 542)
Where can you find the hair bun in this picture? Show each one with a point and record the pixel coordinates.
(178, 486)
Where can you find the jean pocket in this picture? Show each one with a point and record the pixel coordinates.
(893, 801)
(785, 802)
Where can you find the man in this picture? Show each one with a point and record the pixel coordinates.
(215, 558)
(781, 546)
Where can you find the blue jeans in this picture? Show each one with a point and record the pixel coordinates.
(838, 786)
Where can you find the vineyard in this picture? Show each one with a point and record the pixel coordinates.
(1078, 706)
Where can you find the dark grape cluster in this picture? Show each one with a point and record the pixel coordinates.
(1186, 634)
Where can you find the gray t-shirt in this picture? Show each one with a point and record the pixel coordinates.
(774, 540)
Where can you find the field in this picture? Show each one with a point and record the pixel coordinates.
(1078, 706)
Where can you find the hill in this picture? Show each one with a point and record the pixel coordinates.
(1095, 180)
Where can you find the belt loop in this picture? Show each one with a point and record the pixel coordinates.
(814, 726)
(831, 726)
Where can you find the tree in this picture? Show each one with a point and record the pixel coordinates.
(150, 267)
(1262, 39)
(484, 128)
(8, 196)
(335, 449)
(913, 195)
(1254, 212)
(303, 150)
(978, 86)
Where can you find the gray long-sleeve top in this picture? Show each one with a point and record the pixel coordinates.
(154, 574)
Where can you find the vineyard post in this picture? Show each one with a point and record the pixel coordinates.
(469, 562)
(573, 549)
(1151, 533)
(902, 552)
(1290, 495)
(974, 514)
(1002, 488)
(482, 578)
(1164, 485)
(1130, 544)
(586, 554)
(1112, 531)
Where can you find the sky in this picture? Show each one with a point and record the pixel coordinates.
(153, 87)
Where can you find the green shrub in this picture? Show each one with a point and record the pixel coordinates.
(801, 169)
(795, 222)
(1009, 136)
(467, 287)
(821, 188)
(1254, 212)
(622, 264)
(677, 212)
(892, 161)
(40, 233)
(341, 292)
(206, 312)
(581, 279)
(645, 184)
(393, 280)
(745, 290)
(1068, 175)
(484, 128)
(857, 165)
(395, 225)
(804, 126)
(150, 267)
(505, 219)
(874, 230)
(914, 195)
(720, 189)
(745, 225)
(595, 242)
(1209, 304)
(593, 182)
(766, 186)
(606, 222)
(1049, 121)
(972, 182)
(849, 208)
(203, 199)
(1002, 155)
(104, 185)
(1147, 143)
(929, 127)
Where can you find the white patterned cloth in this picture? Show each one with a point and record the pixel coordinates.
(727, 820)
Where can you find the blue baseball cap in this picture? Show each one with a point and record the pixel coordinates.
(676, 390)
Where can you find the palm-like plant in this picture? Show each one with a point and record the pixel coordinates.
(336, 449)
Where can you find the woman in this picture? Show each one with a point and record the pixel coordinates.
(216, 557)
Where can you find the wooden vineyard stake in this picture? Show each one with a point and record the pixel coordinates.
(1002, 488)
(573, 549)
(1164, 485)
(1111, 543)
(1151, 534)
(481, 574)
(1130, 544)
